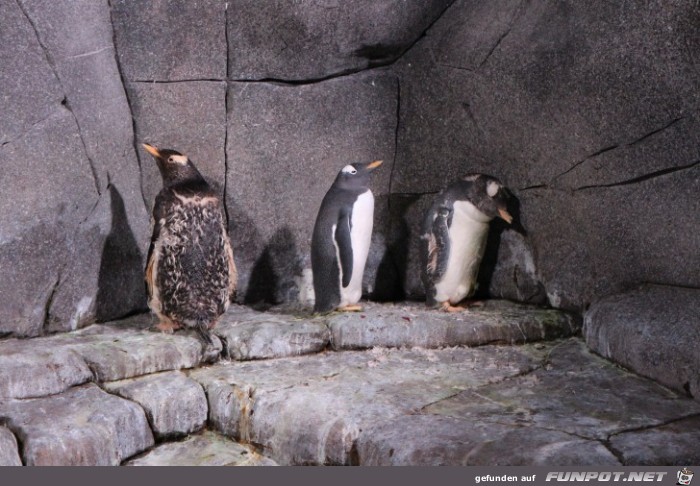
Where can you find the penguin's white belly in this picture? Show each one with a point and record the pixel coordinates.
(361, 223)
(468, 234)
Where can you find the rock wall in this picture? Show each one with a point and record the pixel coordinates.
(589, 113)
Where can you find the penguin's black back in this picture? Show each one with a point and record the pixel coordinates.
(336, 205)
(193, 272)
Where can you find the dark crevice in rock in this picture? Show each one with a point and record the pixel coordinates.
(176, 81)
(396, 137)
(654, 132)
(33, 125)
(642, 178)
(458, 68)
(128, 102)
(64, 102)
(226, 106)
(618, 454)
(537, 186)
(515, 18)
(49, 303)
(654, 426)
(589, 157)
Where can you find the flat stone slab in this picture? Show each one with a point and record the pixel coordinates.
(413, 324)
(310, 410)
(653, 330)
(175, 405)
(9, 453)
(83, 426)
(205, 449)
(668, 445)
(575, 392)
(433, 440)
(256, 335)
(101, 352)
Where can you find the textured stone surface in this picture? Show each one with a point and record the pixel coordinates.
(171, 39)
(431, 440)
(285, 146)
(256, 335)
(414, 325)
(35, 368)
(9, 454)
(77, 36)
(83, 426)
(650, 330)
(563, 96)
(205, 449)
(310, 410)
(669, 445)
(576, 393)
(104, 352)
(315, 39)
(174, 404)
(196, 128)
(48, 192)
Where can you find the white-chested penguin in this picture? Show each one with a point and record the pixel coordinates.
(341, 239)
(453, 238)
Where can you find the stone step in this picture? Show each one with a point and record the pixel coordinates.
(204, 449)
(553, 403)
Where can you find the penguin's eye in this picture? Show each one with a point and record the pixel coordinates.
(170, 160)
(349, 169)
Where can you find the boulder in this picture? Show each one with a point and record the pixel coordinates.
(650, 330)
(9, 454)
(81, 427)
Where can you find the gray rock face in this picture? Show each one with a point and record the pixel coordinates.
(650, 330)
(196, 128)
(414, 325)
(256, 335)
(205, 449)
(311, 410)
(315, 40)
(167, 40)
(174, 404)
(576, 393)
(667, 445)
(298, 138)
(83, 426)
(9, 454)
(432, 440)
(560, 97)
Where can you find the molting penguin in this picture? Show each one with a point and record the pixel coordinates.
(453, 237)
(190, 275)
(341, 239)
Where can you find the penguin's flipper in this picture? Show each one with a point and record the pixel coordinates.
(152, 258)
(439, 245)
(232, 271)
(344, 242)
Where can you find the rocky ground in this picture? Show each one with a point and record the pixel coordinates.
(394, 384)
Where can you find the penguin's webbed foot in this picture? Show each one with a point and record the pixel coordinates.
(447, 307)
(350, 308)
(167, 326)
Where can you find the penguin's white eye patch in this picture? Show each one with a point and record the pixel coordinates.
(492, 188)
(178, 159)
(349, 169)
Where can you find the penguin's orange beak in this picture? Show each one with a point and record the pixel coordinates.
(151, 150)
(375, 164)
(505, 216)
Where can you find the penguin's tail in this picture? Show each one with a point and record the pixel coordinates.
(202, 330)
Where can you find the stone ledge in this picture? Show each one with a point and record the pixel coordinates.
(653, 330)
(205, 449)
(413, 324)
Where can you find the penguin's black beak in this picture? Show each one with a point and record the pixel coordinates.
(375, 164)
(505, 215)
(152, 150)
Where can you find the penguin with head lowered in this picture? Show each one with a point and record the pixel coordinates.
(341, 239)
(190, 275)
(453, 238)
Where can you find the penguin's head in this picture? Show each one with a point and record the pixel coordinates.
(174, 166)
(489, 195)
(355, 177)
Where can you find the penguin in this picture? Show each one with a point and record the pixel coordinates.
(190, 272)
(341, 239)
(453, 238)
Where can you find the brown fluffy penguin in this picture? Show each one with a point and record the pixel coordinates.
(190, 274)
